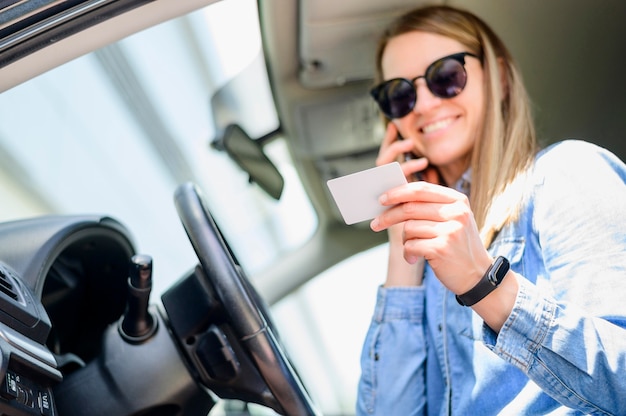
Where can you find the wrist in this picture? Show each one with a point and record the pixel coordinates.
(492, 278)
(402, 273)
(496, 307)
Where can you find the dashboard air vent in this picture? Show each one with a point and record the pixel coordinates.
(6, 286)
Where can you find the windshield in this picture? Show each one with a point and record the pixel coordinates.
(114, 132)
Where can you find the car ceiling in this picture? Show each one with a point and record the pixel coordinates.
(319, 54)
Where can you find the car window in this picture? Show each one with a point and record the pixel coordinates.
(117, 130)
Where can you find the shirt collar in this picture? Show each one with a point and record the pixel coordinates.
(463, 185)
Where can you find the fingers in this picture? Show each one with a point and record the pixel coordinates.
(423, 211)
(391, 135)
(423, 201)
(412, 166)
(420, 229)
(436, 223)
(421, 191)
(392, 149)
(439, 226)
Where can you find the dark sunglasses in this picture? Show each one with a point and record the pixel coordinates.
(445, 78)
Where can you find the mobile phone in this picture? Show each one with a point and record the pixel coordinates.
(418, 176)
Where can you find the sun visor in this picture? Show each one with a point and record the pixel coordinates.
(337, 39)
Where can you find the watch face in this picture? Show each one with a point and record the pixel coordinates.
(498, 270)
(491, 279)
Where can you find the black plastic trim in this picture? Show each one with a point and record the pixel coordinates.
(53, 24)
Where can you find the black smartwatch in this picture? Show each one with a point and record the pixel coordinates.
(490, 280)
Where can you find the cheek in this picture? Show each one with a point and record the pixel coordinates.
(403, 126)
(474, 103)
(475, 115)
(476, 89)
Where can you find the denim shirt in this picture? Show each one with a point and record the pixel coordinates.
(561, 351)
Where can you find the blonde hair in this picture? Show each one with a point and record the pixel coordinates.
(506, 143)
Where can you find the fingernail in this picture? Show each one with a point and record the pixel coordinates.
(374, 224)
(383, 199)
(412, 260)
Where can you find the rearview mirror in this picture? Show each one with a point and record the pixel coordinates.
(249, 155)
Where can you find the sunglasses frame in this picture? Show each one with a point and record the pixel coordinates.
(459, 57)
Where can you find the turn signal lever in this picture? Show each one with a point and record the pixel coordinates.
(138, 324)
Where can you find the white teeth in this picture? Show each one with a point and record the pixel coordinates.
(437, 125)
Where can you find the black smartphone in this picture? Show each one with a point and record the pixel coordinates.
(418, 176)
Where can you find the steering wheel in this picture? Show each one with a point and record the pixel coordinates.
(249, 319)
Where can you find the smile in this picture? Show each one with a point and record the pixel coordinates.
(437, 125)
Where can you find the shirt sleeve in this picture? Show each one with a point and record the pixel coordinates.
(567, 330)
(578, 359)
(394, 355)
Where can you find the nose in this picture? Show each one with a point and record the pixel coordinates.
(426, 100)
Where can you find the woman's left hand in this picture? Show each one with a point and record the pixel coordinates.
(439, 226)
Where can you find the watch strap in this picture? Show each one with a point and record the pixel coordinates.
(487, 284)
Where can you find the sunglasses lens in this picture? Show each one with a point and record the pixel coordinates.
(396, 97)
(446, 78)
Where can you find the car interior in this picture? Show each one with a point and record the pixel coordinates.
(168, 241)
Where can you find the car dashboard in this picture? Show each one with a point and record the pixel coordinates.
(62, 281)
(79, 335)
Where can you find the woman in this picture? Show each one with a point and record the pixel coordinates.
(506, 275)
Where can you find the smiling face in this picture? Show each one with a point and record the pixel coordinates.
(442, 130)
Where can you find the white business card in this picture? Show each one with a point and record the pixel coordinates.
(356, 195)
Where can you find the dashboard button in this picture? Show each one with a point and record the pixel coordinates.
(9, 387)
(45, 403)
